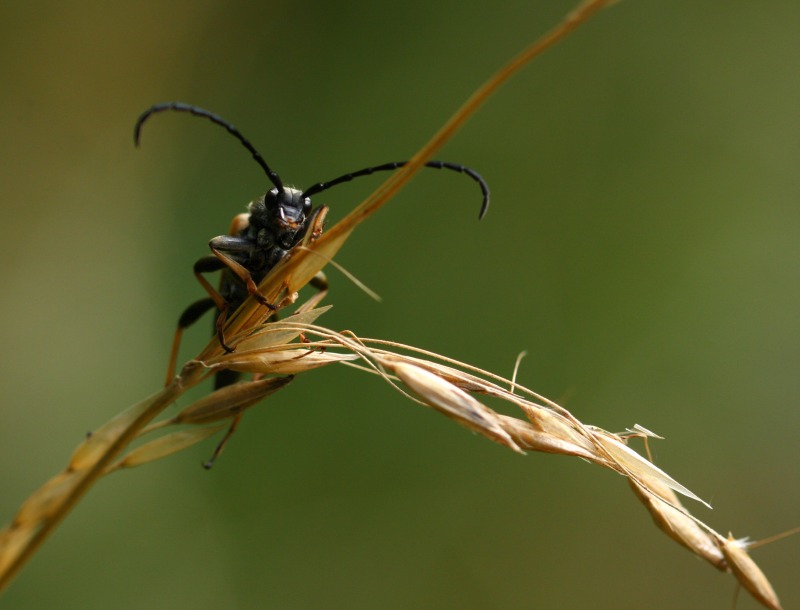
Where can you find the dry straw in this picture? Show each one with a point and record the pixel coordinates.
(275, 352)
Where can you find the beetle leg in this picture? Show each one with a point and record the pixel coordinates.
(221, 247)
(234, 424)
(190, 315)
(319, 281)
(226, 377)
(220, 326)
(207, 264)
(317, 223)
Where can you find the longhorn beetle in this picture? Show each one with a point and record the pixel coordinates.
(259, 239)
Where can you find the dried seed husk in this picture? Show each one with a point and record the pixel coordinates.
(164, 446)
(229, 401)
(669, 515)
(280, 332)
(13, 539)
(633, 464)
(47, 499)
(747, 572)
(96, 443)
(527, 436)
(281, 362)
(556, 426)
(452, 402)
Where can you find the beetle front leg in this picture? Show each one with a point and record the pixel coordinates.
(225, 247)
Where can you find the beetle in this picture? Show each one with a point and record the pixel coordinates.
(257, 240)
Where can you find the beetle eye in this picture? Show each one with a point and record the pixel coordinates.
(306, 205)
(271, 198)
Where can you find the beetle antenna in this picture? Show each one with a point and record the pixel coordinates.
(197, 111)
(324, 186)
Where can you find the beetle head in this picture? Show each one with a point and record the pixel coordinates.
(285, 210)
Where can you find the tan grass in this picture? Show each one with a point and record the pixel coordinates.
(447, 386)
(276, 351)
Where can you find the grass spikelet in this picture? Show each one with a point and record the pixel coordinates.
(272, 334)
(46, 500)
(98, 442)
(453, 402)
(641, 469)
(747, 572)
(528, 437)
(280, 362)
(226, 402)
(674, 520)
(164, 446)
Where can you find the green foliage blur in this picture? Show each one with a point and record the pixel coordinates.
(641, 245)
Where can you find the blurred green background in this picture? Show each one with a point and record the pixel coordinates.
(642, 245)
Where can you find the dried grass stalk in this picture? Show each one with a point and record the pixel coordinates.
(269, 349)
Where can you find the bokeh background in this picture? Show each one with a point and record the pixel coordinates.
(642, 245)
